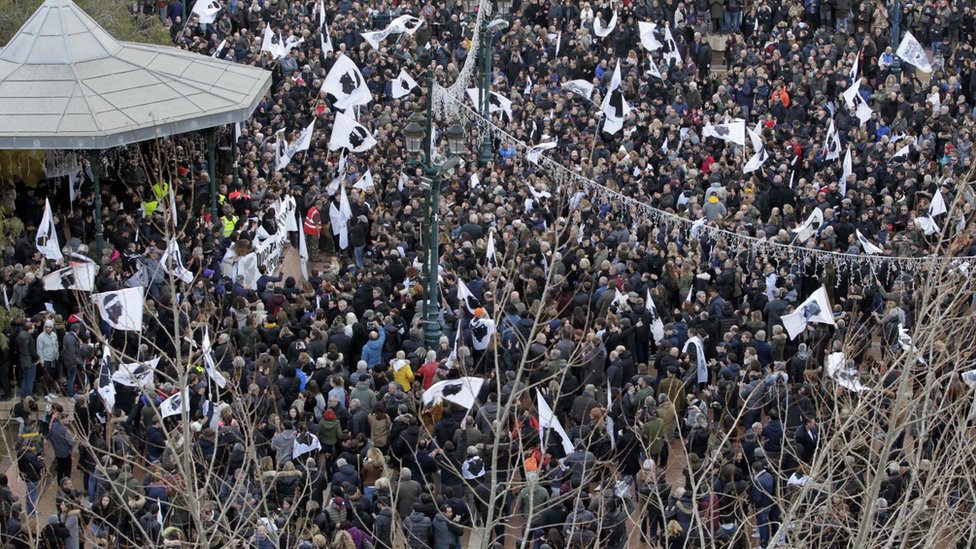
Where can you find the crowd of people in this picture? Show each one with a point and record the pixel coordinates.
(342, 357)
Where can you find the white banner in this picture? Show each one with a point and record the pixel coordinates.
(268, 251)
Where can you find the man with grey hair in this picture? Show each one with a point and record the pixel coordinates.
(48, 351)
(407, 492)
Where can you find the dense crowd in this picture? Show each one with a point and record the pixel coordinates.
(342, 356)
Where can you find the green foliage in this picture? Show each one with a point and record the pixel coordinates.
(5, 318)
(114, 15)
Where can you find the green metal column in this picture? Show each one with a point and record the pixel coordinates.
(212, 170)
(96, 169)
(233, 153)
(896, 37)
(484, 45)
(432, 324)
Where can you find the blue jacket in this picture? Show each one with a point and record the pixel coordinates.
(373, 350)
(61, 440)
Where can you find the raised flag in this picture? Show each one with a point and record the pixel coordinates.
(490, 253)
(608, 419)
(702, 365)
(176, 404)
(365, 182)
(913, 53)
(603, 30)
(340, 216)
(810, 226)
(535, 152)
(324, 36)
(305, 443)
(580, 87)
(496, 102)
(462, 391)
(670, 47)
(220, 49)
(303, 253)
(547, 421)
(657, 325)
(206, 10)
(136, 374)
(466, 298)
(350, 135)
(122, 309)
(272, 43)
(847, 171)
(647, 38)
(734, 131)
(856, 104)
(208, 361)
(105, 387)
(74, 277)
(614, 105)
(47, 235)
(866, 245)
(172, 262)
(652, 68)
(302, 143)
(403, 24)
(346, 85)
(403, 84)
(833, 145)
(815, 309)
(938, 205)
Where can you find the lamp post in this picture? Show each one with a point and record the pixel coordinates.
(487, 31)
(896, 37)
(421, 139)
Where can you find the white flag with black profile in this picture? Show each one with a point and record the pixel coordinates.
(47, 235)
(733, 132)
(847, 171)
(832, 146)
(346, 85)
(614, 106)
(350, 135)
(583, 88)
(810, 226)
(122, 309)
(548, 420)
(652, 68)
(647, 38)
(172, 262)
(136, 374)
(75, 277)
(303, 142)
(856, 104)
(534, 153)
(814, 309)
(404, 24)
(365, 182)
(466, 298)
(657, 325)
(220, 49)
(913, 53)
(206, 10)
(176, 404)
(462, 391)
(670, 47)
(105, 386)
(602, 29)
(496, 102)
(273, 43)
(324, 36)
(305, 443)
(208, 361)
(490, 254)
(403, 84)
(866, 245)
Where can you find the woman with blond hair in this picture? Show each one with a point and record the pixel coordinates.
(373, 469)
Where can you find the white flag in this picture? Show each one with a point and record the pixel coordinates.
(365, 182)
(614, 105)
(47, 235)
(340, 216)
(304, 443)
(702, 366)
(815, 309)
(528, 86)
(466, 298)
(647, 38)
(734, 131)
(303, 253)
(474, 182)
(652, 68)
(657, 325)
(547, 420)
(848, 378)
(496, 102)
(581, 87)
(122, 309)
(207, 11)
(220, 49)
(208, 361)
(75, 277)
(856, 104)
(324, 36)
(175, 404)
(490, 253)
(833, 145)
(854, 68)
(602, 30)
(272, 43)
(847, 171)
(760, 156)
(534, 153)
(401, 181)
(810, 226)
(928, 225)
(913, 53)
(452, 359)
(609, 420)
(137, 374)
(938, 205)
(75, 181)
(671, 53)
(105, 386)
(462, 391)
(346, 85)
(405, 23)
(349, 134)
(403, 84)
(303, 142)
(866, 245)
(172, 262)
